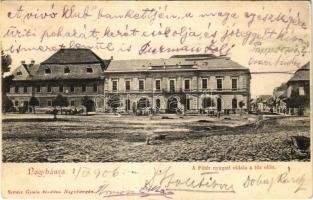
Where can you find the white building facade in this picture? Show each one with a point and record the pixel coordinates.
(191, 84)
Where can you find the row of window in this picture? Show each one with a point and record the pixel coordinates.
(38, 88)
(145, 103)
(207, 102)
(67, 70)
(25, 103)
(219, 84)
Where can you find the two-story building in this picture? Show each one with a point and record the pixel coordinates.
(183, 82)
(73, 73)
(298, 91)
(191, 83)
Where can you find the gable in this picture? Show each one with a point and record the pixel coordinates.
(20, 73)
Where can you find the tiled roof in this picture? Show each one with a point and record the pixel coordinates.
(216, 63)
(78, 60)
(195, 56)
(302, 74)
(26, 70)
(37, 72)
(77, 71)
(33, 68)
(73, 56)
(24, 73)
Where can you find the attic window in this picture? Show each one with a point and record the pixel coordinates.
(89, 70)
(66, 70)
(47, 71)
(19, 73)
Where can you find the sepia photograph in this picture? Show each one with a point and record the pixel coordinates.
(78, 107)
(167, 89)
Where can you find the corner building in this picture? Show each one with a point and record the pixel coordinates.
(73, 73)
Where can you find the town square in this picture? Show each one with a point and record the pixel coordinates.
(87, 82)
(156, 100)
(76, 107)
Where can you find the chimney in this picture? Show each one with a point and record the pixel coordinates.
(32, 62)
(23, 63)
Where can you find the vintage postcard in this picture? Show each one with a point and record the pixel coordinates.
(156, 100)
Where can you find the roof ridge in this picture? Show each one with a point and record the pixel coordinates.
(73, 56)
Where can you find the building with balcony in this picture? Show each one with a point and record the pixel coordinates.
(186, 83)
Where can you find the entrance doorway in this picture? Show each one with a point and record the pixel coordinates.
(127, 104)
(234, 103)
(143, 103)
(90, 106)
(25, 105)
(207, 102)
(172, 105)
(114, 102)
(219, 104)
(158, 103)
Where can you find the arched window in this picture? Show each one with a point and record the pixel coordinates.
(172, 104)
(143, 103)
(114, 102)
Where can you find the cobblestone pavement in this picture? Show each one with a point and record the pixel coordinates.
(116, 139)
